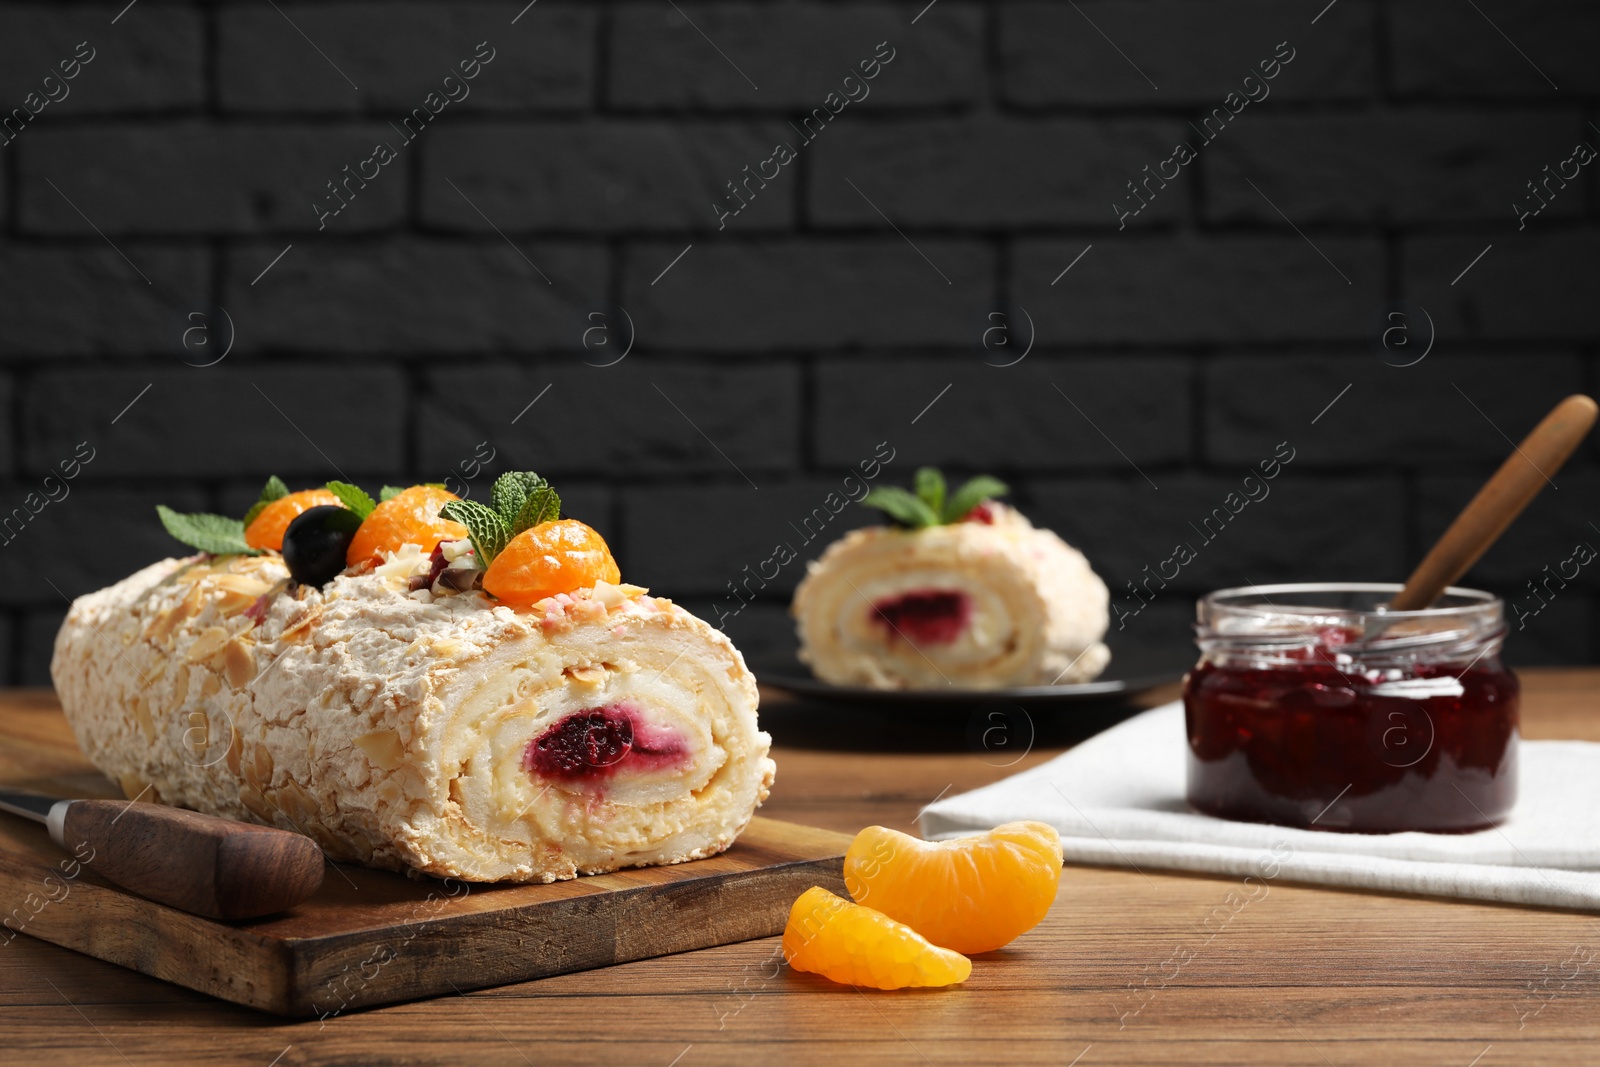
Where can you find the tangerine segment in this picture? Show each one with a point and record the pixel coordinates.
(971, 894)
(266, 530)
(550, 558)
(410, 517)
(858, 946)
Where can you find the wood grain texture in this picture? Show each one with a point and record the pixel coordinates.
(375, 937)
(198, 863)
(1122, 972)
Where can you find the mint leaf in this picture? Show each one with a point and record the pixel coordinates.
(389, 492)
(542, 505)
(488, 531)
(970, 495)
(511, 491)
(930, 487)
(273, 490)
(353, 497)
(902, 505)
(216, 534)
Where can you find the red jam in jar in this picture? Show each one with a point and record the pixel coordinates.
(1312, 706)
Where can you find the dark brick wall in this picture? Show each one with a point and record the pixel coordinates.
(847, 304)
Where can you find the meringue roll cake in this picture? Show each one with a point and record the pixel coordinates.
(457, 688)
(959, 592)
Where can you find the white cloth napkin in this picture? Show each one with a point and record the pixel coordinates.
(1118, 799)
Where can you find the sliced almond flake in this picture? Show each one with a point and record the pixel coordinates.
(301, 623)
(383, 748)
(242, 583)
(239, 662)
(590, 674)
(210, 641)
(232, 602)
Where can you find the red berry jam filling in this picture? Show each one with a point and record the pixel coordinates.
(925, 616)
(601, 742)
(1306, 744)
(981, 513)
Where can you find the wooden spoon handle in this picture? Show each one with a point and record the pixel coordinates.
(200, 863)
(1499, 502)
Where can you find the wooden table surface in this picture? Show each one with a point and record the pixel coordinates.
(1300, 976)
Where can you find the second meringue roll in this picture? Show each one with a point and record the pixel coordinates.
(987, 603)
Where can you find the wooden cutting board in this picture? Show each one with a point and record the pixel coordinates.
(372, 937)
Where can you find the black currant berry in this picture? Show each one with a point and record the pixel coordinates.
(315, 543)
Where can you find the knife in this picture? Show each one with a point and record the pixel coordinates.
(200, 863)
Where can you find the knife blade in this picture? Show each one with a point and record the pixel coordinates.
(39, 807)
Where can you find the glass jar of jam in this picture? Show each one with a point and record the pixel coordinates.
(1313, 706)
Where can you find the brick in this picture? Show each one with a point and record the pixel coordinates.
(399, 53)
(1444, 49)
(1196, 53)
(605, 176)
(217, 421)
(1186, 289)
(798, 294)
(1302, 530)
(414, 296)
(1591, 448)
(1416, 165)
(763, 632)
(1562, 633)
(7, 430)
(86, 299)
(194, 177)
(1391, 415)
(1157, 644)
(797, 53)
(1530, 285)
(938, 172)
(8, 646)
(605, 421)
(152, 61)
(1016, 417)
(86, 540)
(1545, 534)
(37, 645)
(1556, 625)
(665, 530)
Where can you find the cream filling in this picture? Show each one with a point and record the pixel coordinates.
(989, 621)
(517, 699)
(992, 639)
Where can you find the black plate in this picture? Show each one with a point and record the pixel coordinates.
(1100, 689)
(1133, 670)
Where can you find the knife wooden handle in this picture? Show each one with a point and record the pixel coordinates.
(200, 863)
(1502, 498)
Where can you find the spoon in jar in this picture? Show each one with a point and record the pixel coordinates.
(1503, 497)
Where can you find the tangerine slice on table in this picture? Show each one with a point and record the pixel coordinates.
(970, 894)
(550, 558)
(266, 529)
(410, 517)
(858, 946)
